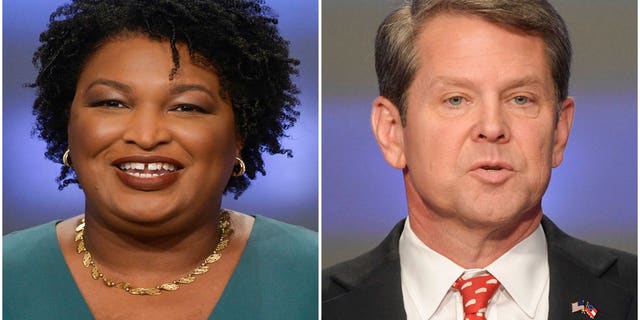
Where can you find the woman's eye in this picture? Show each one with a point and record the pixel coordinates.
(109, 104)
(521, 100)
(190, 108)
(455, 101)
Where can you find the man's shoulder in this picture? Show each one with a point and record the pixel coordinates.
(368, 286)
(580, 270)
(364, 269)
(609, 264)
(342, 277)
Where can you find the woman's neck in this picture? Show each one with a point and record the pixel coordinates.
(124, 255)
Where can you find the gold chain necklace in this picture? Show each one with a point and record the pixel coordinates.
(224, 230)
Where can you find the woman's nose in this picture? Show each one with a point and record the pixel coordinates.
(147, 128)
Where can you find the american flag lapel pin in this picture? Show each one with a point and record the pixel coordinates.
(584, 307)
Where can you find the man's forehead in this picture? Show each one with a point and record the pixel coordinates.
(446, 21)
(466, 43)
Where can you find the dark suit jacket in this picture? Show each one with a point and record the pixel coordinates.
(368, 287)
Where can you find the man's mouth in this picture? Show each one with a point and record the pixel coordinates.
(492, 168)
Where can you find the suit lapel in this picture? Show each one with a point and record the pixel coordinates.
(373, 285)
(576, 274)
(377, 298)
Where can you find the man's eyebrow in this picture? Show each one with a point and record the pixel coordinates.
(182, 88)
(110, 83)
(467, 83)
(531, 81)
(451, 81)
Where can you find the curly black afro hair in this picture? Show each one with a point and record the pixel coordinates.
(237, 38)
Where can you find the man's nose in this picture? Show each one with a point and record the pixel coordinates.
(491, 124)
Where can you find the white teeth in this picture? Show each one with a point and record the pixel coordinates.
(144, 175)
(149, 166)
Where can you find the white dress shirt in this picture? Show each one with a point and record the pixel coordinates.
(427, 276)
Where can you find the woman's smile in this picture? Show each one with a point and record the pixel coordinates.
(147, 173)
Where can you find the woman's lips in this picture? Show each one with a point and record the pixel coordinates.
(147, 173)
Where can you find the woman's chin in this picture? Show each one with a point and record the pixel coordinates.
(142, 215)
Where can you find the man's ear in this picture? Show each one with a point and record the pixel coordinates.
(387, 128)
(563, 128)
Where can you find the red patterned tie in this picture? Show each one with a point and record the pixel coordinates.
(476, 293)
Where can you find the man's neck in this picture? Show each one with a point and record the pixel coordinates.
(467, 246)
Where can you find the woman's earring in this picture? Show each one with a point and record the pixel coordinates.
(239, 169)
(65, 159)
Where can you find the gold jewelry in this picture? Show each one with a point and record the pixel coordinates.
(65, 159)
(224, 230)
(241, 170)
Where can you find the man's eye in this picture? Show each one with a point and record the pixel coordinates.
(456, 101)
(521, 100)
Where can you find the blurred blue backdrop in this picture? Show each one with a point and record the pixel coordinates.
(593, 193)
(288, 192)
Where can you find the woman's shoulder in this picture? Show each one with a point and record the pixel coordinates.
(36, 280)
(23, 242)
(278, 272)
(275, 240)
(294, 236)
(26, 251)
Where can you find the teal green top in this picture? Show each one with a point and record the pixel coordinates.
(276, 277)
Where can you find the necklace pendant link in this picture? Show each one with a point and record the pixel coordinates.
(95, 273)
(80, 248)
(213, 258)
(186, 279)
(145, 291)
(169, 286)
(86, 259)
(201, 270)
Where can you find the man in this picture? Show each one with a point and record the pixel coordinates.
(474, 110)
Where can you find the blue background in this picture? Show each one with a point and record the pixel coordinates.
(592, 195)
(288, 192)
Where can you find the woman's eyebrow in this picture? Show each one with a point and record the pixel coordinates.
(174, 89)
(110, 83)
(181, 88)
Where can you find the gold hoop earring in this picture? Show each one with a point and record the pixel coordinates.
(238, 171)
(65, 159)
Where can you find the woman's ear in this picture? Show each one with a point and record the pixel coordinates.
(239, 144)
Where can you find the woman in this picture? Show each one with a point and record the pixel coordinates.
(156, 109)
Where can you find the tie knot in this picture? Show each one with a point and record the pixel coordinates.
(476, 293)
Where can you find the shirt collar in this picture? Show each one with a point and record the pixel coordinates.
(524, 271)
(428, 275)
